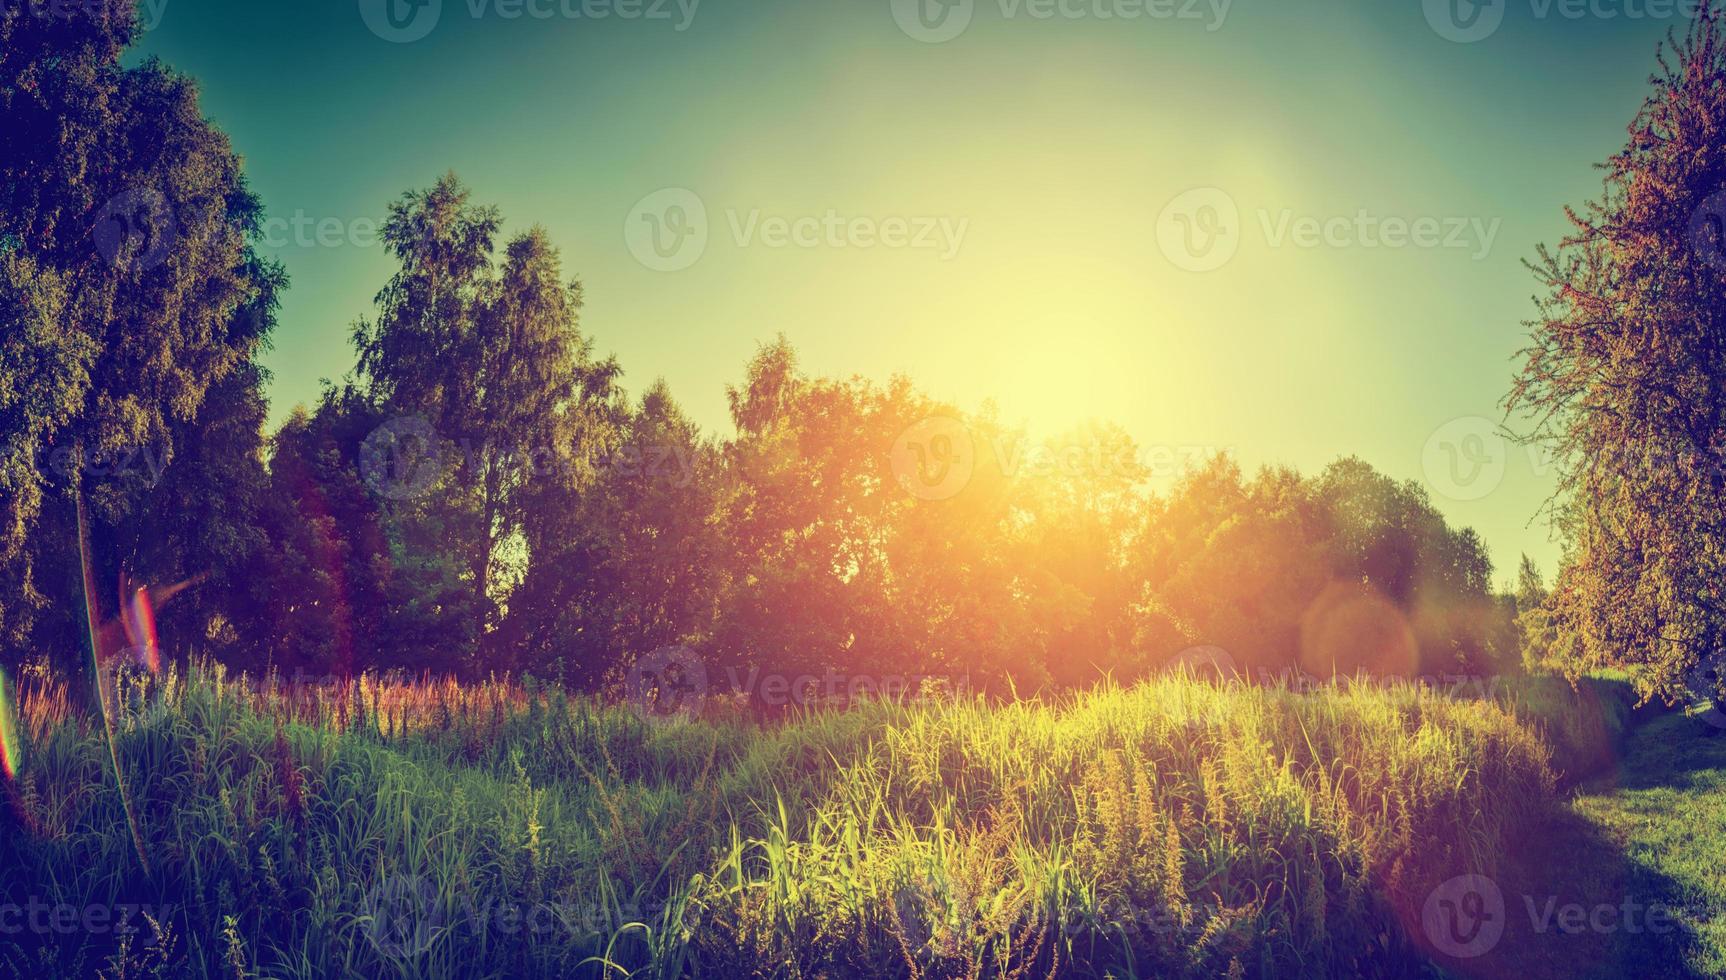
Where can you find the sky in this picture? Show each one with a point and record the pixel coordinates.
(1290, 231)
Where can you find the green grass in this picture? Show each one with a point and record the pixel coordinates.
(1644, 828)
(1667, 818)
(1174, 829)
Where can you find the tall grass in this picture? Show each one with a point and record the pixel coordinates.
(395, 827)
(1585, 722)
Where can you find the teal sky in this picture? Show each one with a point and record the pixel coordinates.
(1035, 156)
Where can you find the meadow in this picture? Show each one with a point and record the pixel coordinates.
(1128, 513)
(402, 827)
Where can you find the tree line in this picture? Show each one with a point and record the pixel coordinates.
(483, 493)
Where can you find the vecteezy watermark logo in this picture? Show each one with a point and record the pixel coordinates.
(403, 916)
(41, 918)
(401, 21)
(401, 459)
(1464, 917)
(1706, 683)
(136, 229)
(932, 21)
(673, 684)
(1367, 230)
(1464, 458)
(668, 684)
(302, 230)
(144, 462)
(831, 229)
(667, 230)
(934, 458)
(1708, 230)
(1200, 230)
(150, 14)
(1467, 21)
(1209, 662)
(1464, 21)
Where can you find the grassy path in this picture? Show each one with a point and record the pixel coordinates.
(1630, 879)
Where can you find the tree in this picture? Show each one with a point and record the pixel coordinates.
(629, 564)
(801, 527)
(349, 581)
(315, 604)
(1070, 504)
(1388, 538)
(1625, 377)
(128, 292)
(492, 359)
(1533, 618)
(1286, 572)
(1236, 564)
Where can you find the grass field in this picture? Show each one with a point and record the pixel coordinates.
(1177, 828)
(1636, 854)
(1666, 814)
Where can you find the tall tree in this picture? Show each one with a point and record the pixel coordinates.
(1276, 568)
(128, 289)
(799, 527)
(1625, 377)
(492, 359)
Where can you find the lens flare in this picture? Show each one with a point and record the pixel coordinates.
(10, 748)
(139, 618)
(1353, 629)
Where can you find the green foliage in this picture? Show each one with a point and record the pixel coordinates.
(348, 583)
(796, 548)
(1274, 569)
(1537, 634)
(561, 527)
(491, 357)
(128, 293)
(1624, 381)
(629, 563)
